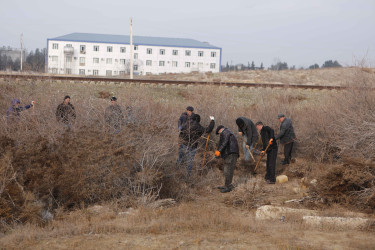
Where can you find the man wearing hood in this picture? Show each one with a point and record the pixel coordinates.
(248, 131)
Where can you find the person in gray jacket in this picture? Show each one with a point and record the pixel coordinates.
(248, 131)
(287, 137)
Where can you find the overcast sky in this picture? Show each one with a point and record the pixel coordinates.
(299, 32)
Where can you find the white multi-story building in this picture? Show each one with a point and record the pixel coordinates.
(109, 55)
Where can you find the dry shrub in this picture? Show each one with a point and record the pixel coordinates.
(351, 184)
(104, 94)
(250, 194)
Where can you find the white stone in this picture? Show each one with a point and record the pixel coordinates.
(337, 222)
(273, 212)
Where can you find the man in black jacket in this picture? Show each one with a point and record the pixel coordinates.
(268, 138)
(287, 137)
(65, 112)
(248, 131)
(228, 150)
(114, 116)
(185, 117)
(189, 139)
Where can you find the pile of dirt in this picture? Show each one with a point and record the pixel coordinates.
(351, 184)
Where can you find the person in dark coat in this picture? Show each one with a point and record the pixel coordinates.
(13, 112)
(185, 117)
(248, 131)
(287, 137)
(189, 139)
(114, 116)
(229, 151)
(268, 138)
(65, 112)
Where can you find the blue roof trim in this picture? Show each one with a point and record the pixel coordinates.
(142, 40)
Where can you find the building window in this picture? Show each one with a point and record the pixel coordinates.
(135, 47)
(148, 63)
(69, 45)
(122, 61)
(108, 72)
(212, 65)
(81, 61)
(161, 63)
(200, 53)
(213, 54)
(68, 71)
(81, 71)
(95, 60)
(68, 58)
(122, 49)
(109, 48)
(135, 55)
(162, 52)
(95, 72)
(54, 70)
(82, 49)
(187, 64)
(175, 52)
(135, 67)
(55, 46)
(55, 58)
(187, 52)
(174, 64)
(200, 65)
(149, 51)
(122, 73)
(96, 48)
(109, 61)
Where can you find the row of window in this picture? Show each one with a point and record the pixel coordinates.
(82, 62)
(82, 50)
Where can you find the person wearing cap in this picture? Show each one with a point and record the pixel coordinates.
(114, 116)
(248, 131)
(189, 140)
(286, 136)
(65, 112)
(268, 138)
(185, 117)
(13, 112)
(228, 150)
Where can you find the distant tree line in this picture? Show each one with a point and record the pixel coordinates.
(35, 61)
(277, 66)
(241, 67)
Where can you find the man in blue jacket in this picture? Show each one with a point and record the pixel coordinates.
(13, 112)
(287, 137)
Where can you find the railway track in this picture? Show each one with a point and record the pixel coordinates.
(167, 82)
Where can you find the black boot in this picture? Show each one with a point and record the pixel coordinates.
(285, 162)
(226, 190)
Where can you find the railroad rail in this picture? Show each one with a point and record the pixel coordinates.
(167, 82)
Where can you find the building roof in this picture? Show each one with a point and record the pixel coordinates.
(137, 40)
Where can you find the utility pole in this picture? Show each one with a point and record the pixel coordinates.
(131, 48)
(21, 51)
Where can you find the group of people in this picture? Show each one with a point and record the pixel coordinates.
(190, 131)
(66, 114)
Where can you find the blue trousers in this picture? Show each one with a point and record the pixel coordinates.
(186, 156)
